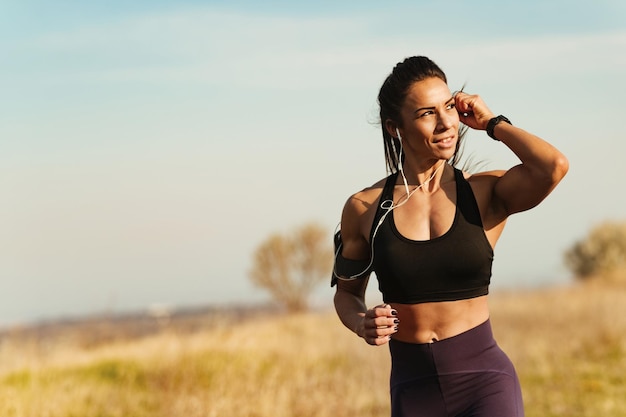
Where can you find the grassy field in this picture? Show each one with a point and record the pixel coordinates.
(568, 344)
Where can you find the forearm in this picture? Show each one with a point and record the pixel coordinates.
(350, 308)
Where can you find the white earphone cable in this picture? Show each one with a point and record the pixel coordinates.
(387, 205)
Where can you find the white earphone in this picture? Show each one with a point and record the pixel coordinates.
(387, 205)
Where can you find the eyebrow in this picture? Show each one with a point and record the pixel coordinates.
(433, 107)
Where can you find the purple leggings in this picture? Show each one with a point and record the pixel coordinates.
(467, 375)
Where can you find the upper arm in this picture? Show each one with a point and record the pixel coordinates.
(527, 184)
(519, 189)
(356, 220)
(354, 244)
(502, 193)
(351, 269)
(352, 258)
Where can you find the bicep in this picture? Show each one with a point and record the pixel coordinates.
(354, 245)
(518, 190)
(353, 263)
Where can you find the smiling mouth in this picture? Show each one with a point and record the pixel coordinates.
(445, 140)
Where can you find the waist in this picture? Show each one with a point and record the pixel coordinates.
(436, 321)
(455, 354)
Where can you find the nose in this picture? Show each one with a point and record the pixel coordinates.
(446, 120)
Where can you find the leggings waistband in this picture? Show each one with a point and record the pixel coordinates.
(460, 353)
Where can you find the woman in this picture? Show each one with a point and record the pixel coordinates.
(428, 231)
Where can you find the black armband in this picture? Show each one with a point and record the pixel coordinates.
(348, 269)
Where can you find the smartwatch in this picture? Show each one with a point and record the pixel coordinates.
(493, 123)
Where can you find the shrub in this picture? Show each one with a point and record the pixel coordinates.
(602, 253)
(290, 267)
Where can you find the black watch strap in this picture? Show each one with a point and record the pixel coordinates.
(491, 125)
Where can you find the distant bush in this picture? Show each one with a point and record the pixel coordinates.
(601, 254)
(291, 266)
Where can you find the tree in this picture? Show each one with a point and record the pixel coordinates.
(602, 253)
(290, 267)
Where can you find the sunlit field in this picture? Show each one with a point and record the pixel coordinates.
(568, 344)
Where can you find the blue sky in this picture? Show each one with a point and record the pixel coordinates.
(146, 148)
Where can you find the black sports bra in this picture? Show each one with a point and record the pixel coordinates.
(454, 266)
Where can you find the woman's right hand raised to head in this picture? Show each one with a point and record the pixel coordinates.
(378, 324)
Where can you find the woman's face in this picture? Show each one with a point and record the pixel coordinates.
(430, 122)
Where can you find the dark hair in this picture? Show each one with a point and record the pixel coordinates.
(392, 95)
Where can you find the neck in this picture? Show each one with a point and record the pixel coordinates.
(424, 178)
(421, 176)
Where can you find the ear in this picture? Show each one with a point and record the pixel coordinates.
(390, 127)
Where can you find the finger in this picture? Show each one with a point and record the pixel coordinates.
(459, 93)
(382, 340)
(371, 331)
(384, 310)
(463, 104)
(384, 335)
(385, 322)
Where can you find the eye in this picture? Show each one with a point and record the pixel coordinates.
(426, 113)
(450, 106)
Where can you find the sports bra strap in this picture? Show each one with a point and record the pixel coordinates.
(387, 194)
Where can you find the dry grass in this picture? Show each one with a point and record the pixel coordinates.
(569, 346)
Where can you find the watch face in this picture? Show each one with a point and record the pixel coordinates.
(492, 124)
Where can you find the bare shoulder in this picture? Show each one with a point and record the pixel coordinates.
(362, 201)
(356, 220)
